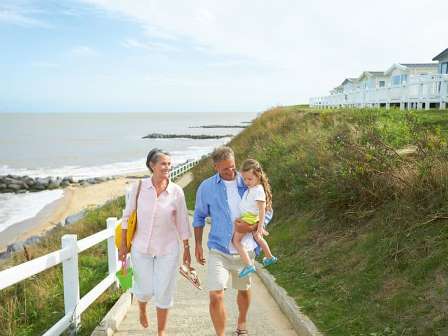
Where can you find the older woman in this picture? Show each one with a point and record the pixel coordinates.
(162, 219)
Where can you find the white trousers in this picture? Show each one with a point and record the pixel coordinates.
(155, 277)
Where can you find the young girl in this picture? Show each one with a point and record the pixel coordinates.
(255, 202)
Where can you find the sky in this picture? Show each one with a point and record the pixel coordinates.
(202, 55)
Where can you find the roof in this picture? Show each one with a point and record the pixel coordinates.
(351, 80)
(377, 73)
(373, 73)
(419, 65)
(441, 55)
(404, 66)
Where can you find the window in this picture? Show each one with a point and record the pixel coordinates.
(381, 84)
(444, 68)
(404, 78)
(398, 80)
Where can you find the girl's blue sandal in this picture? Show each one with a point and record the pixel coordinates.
(269, 261)
(247, 270)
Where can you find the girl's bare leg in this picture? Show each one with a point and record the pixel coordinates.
(162, 316)
(143, 317)
(236, 240)
(263, 244)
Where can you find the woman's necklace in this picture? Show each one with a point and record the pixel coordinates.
(160, 187)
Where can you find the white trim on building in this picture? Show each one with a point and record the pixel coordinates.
(407, 85)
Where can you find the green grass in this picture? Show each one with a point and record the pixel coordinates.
(361, 231)
(32, 306)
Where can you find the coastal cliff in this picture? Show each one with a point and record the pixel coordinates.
(360, 214)
(360, 224)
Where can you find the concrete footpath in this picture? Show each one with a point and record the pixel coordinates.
(190, 315)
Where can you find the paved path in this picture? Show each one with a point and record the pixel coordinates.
(190, 316)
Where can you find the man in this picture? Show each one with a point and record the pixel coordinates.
(218, 197)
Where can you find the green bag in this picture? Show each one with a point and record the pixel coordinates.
(124, 276)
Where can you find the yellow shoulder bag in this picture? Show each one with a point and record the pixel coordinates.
(132, 224)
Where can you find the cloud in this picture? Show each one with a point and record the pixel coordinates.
(20, 17)
(45, 65)
(84, 51)
(317, 42)
(150, 46)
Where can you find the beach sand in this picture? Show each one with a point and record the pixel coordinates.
(74, 200)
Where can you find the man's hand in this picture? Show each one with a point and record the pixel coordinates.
(199, 253)
(242, 227)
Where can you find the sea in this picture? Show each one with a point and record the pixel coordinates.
(93, 145)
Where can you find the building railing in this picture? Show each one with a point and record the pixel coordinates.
(74, 305)
(420, 90)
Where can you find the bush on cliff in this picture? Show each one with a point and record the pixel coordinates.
(360, 221)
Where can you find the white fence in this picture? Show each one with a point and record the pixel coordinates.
(182, 169)
(68, 256)
(423, 90)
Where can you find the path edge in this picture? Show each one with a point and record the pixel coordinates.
(300, 322)
(110, 323)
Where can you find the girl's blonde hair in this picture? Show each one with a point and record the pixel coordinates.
(255, 167)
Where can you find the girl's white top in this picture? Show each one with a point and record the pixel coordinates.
(250, 197)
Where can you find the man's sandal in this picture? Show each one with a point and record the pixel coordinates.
(190, 274)
(239, 332)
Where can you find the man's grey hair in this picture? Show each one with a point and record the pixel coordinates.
(222, 153)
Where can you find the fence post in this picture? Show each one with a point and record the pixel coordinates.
(112, 255)
(70, 274)
(443, 93)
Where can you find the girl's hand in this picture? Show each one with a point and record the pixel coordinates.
(259, 233)
(242, 227)
(187, 257)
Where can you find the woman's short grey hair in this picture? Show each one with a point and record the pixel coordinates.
(154, 156)
(222, 153)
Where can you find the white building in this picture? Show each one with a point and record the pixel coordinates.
(442, 58)
(404, 85)
(372, 80)
(400, 73)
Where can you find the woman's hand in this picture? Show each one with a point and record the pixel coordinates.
(122, 252)
(187, 257)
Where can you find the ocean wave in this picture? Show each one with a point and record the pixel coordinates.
(15, 208)
(112, 169)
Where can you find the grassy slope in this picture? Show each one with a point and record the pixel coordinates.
(361, 232)
(33, 305)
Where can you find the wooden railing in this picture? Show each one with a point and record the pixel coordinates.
(422, 90)
(182, 169)
(68, 256)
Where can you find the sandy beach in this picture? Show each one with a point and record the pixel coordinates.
(74, 200)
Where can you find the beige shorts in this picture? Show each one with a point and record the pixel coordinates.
(220, 265)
